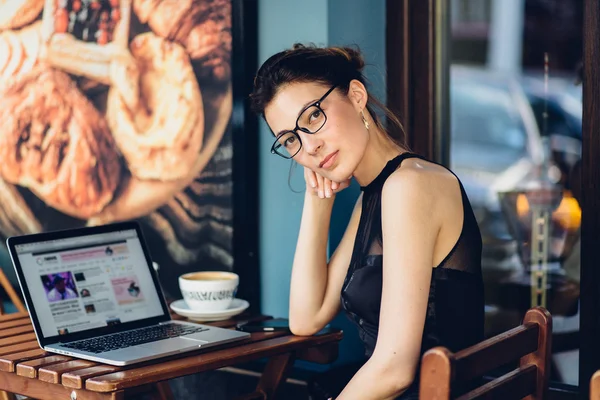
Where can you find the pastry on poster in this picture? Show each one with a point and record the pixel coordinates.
(17, 13)
(162, 136)
(54, 142)
(157, 90)
(141, 197)
(82, 37)
(19, 52)
(202, 27)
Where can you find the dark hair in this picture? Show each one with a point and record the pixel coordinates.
(326, 65)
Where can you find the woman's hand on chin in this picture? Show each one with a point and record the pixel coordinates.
(323, 187)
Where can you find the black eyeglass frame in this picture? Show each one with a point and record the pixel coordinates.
(276, 145)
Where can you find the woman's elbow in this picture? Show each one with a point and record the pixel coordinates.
(396, 377)
(402, 383)
(302, 331)
(302, 328)
(396, 384)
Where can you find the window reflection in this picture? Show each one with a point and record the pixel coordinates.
(516, 145)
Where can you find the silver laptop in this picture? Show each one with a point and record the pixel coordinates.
(92, 293)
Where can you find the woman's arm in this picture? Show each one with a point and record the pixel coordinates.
(316, 285)
(410, 229)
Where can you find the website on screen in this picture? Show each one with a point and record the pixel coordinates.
(89, 282)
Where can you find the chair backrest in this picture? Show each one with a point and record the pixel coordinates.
(529, 343)
(595, 386)
(12, 294)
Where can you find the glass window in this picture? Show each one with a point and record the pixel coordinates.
(515, 114)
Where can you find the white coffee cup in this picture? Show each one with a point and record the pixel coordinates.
(209, 290)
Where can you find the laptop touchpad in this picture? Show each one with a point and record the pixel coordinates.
(196, 337)
(170, 345)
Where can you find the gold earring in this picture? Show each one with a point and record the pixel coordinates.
(367, 125)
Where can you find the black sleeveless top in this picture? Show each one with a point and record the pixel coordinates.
(455, 310)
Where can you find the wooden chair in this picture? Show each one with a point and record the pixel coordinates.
(12, 294)
(595, 386)
(14, 297)
(443, 371)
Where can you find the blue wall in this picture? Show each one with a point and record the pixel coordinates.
(357, 23)
(362, 23)
(282, 23)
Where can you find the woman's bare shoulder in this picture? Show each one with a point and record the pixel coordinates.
(431, 183)
(417, 172)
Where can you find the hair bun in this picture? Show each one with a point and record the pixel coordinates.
(355, 57)
(350, 54)
(298, 46)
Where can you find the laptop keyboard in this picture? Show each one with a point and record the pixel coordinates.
(133, 338)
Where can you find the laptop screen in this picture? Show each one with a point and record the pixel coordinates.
(90, 281)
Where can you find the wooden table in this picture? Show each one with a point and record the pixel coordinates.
(28, 370)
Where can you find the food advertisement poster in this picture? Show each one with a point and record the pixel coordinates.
(116, 110)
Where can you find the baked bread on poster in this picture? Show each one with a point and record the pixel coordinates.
(15, 14)
(115, 58)
(19, 52)
(203, 28)
(55, 143)
(154, 105)
(161, 137)
(140, 197)
(83, 37)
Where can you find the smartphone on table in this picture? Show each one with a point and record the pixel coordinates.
(268, 325)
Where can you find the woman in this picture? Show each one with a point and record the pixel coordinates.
(428, 290)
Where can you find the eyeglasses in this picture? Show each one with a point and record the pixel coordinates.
(310, 120)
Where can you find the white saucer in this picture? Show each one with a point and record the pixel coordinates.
(237, 306)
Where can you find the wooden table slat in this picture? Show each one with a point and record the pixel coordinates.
(27, 337)
(204, 362)
(76, 379)
(10, 317)
(30, 368)
(8, 362)
(15, 322)
(17, 348)
(52, 373)
(16, 331)
(36, 389)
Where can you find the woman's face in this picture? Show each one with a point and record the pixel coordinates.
(337, 148)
